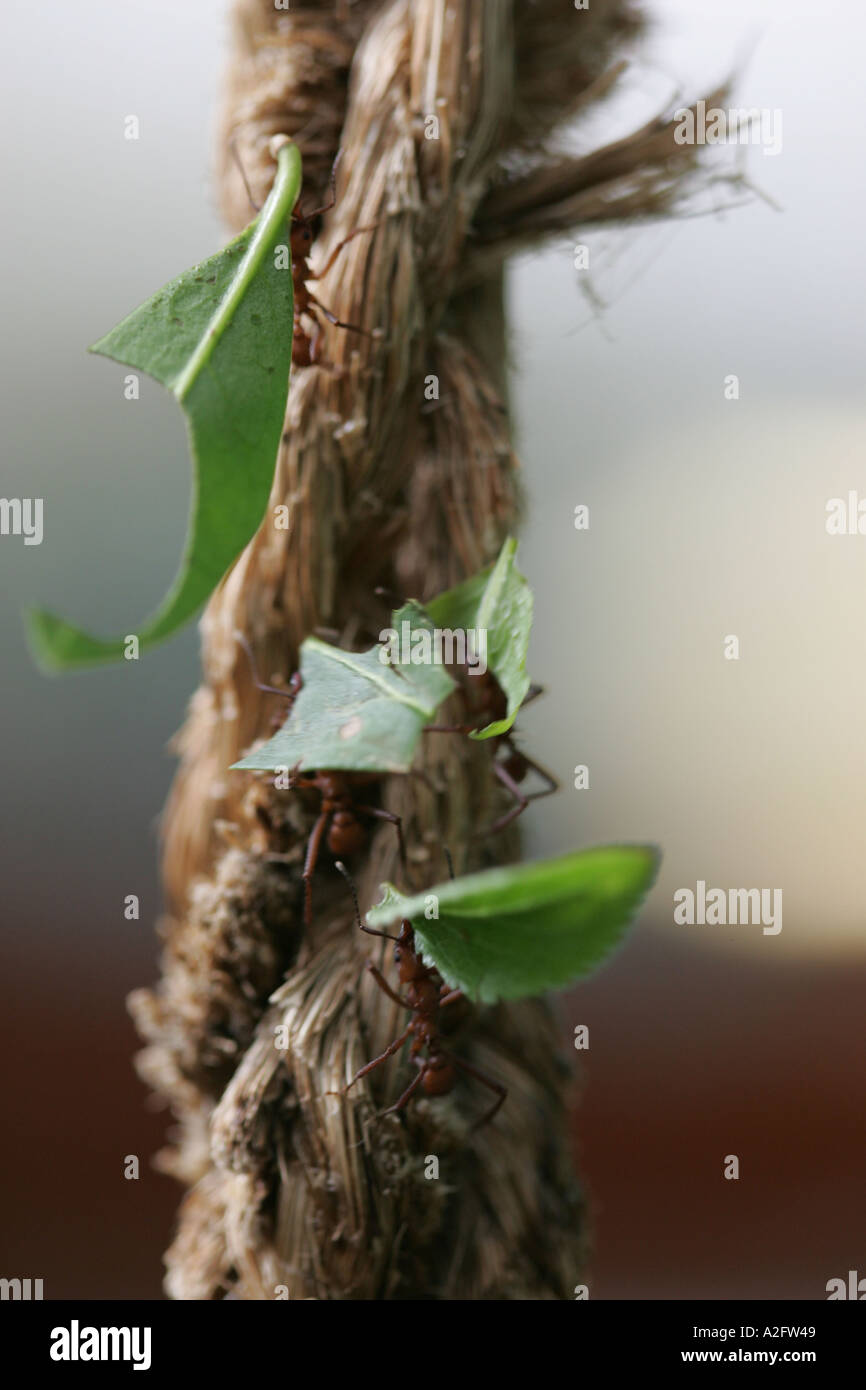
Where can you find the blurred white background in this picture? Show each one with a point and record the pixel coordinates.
(707, 515)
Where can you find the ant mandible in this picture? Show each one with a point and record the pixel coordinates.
(426, 994)
(512, 770)
(337, 822)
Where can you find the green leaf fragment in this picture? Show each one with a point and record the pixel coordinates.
(355, 712)
(497, 601)
(220, 338)
(523, 929)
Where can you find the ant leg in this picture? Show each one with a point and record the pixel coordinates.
(532, 694)
(317, 275)
(383, 985)
(338, 323)
(377, 1061)
(242, 641)
(313, 846)
(332, 183)
(407, 1094)
(396, 821)
(522, 802)
(542, 772)
(450, 997)
(485, 1080)
(298, 783)
(233, 146)
(338, 864)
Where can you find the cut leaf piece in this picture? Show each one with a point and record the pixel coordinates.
(497, 601)
(526, 928)
(220, 338)
(355, 712)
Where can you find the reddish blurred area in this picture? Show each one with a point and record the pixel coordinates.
(74, 1110)
(694, 1054)
(698, 1053)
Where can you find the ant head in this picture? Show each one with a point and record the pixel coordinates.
(346, 835)
(302, 235)
(405, 941)
(333, 785)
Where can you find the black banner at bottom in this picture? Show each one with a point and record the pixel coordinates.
(81, 1339)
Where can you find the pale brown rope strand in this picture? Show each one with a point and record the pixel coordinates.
(291, 1188)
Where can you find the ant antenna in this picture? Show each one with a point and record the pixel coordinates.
(233, 146)
(450, 862)
(352, 889)
(332, 188)
(241, 640)
(338, 864)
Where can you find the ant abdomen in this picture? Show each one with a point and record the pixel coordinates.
(346, 834)
(438, 1078)
(516, 766)
(426, 995)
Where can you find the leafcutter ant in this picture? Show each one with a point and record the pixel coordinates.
(338, 822)
(291, 693)
(307, 342)
(488, 704)
(426, 994)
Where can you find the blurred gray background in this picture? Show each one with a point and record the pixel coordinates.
(707, 518)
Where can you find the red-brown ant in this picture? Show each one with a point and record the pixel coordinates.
(488, 705)
(306, 344)
(426, 994)
(339, 816)
(337, 822)
(513, 769)
(291, 693)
